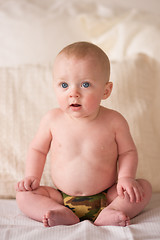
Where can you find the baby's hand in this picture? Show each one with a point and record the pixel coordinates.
(131, 187)
(28, 184)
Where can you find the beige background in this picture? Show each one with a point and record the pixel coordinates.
(28, 47)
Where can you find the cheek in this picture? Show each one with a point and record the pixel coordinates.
(92, 101)
(61, 101)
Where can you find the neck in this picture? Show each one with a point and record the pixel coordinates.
(85, 119)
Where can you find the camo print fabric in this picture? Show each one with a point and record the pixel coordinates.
(86, 207)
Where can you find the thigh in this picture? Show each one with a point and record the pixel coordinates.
(146, 186)
(111, 193)
(49, 192)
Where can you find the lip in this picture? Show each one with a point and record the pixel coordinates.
(75, 106)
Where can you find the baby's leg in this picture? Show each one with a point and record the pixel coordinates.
(119, 211)
(45, 204)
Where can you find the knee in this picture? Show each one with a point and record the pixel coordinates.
(19, 196)
(21, 199)
(111, 193)
(145, 184)
(147, 187)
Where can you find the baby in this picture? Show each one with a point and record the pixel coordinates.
(93, 156)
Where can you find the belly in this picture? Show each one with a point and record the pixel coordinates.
(83, 177)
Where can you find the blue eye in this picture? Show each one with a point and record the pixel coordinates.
(64, 85)
(85, 84)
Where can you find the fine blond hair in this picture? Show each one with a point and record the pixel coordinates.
(83, 49)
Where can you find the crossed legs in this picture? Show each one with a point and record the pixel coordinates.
(119, 211)
(45, 204)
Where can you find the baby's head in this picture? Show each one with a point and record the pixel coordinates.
(84, 50)
(81, 79)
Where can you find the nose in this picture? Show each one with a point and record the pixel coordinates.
(74, 93)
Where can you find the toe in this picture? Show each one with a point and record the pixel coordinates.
(123, 220)
(128, 221)
(45, 221)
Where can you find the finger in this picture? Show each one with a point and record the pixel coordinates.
(141, 192)
(137, 194)
(120, 191)
(21, 186)
(27, 185)
(131, 194)
(35, 184)
(18, 187)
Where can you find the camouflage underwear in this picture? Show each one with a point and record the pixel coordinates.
(86, 207)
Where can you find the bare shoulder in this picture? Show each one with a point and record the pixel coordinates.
(51, 116)
(115, 118)
(53, 113)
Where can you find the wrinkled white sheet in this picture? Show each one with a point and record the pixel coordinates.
(15, 226)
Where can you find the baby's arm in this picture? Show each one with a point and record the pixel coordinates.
(36, 157)
(127, 163)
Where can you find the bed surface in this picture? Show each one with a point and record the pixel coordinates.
(14, 226)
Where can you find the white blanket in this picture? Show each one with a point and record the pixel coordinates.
(15, 226)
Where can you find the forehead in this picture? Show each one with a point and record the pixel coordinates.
(63, 61)
(77, 69)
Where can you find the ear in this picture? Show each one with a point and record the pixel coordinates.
(107, 90)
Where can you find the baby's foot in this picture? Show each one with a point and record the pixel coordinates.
(59, 217)
(111, 217)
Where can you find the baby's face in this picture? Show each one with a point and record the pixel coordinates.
(79, 84)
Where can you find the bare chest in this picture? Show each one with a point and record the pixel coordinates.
(83, 142)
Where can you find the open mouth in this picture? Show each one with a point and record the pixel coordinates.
(75, 105)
